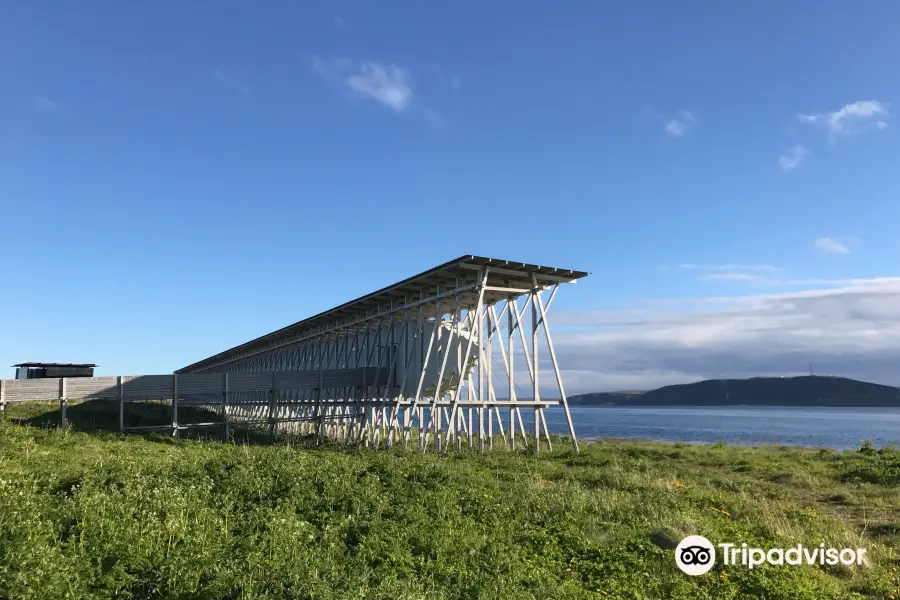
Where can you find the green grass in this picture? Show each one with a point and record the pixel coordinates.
(99, 515)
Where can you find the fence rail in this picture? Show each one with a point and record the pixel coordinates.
(337, 403)
(89, 388)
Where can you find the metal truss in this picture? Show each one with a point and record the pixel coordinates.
(442, 351)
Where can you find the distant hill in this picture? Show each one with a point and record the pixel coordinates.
(812, 390)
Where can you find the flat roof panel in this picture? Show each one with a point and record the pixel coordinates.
(464, 268)
(41, 364)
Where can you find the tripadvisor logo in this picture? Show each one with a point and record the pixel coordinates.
(695, 555)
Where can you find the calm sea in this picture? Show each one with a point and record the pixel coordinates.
(825, 427)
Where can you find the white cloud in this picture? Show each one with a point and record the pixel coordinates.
(233, 81)
(730, 267)
(736, 273)
(793, 157)
(736, 276)
(339, 21)
(856, 117)
(829, 245)
(681, 124)
(761, 274)
(850, 329)
(389, 85)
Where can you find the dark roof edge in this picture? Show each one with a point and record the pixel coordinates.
(42, 364)
(440, 267)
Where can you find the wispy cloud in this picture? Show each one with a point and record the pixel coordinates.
(681, 124)
(387, 84)
(792, 158)
(850, 329)
(737, 276)
(45, 103)
(737, 273)
(233, 81)
(339, 21)
(764, 275)
(857, 117)
(828, 245)
(731, 267)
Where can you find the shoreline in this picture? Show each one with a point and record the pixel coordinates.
(621, 440)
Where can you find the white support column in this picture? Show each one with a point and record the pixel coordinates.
(273, 404)
(482, 278)
(488, 372)
(559, 381)
(63, 402)
(433, 342)
(395, 411)
(534, 379)
(121, 397)
(175, 405)
(225, 418)
(481, 369)
(511, 372)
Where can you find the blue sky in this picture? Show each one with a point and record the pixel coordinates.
(177, 178)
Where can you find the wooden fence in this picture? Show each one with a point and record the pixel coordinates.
(231, 394)
(345, 404)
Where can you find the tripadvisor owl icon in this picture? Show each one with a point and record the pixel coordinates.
(695, 555)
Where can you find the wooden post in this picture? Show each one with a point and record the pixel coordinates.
(482, 367)
(546, 430)
(175, 405)
(121, 404)
(559, 382)
(534, 358)
(62, 402)
(511, 373)
(225, 409)
(2, 399)
(488, 373)
(320, 420)
(471, 431)
(272, 404)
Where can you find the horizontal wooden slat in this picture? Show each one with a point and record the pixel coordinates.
(92, 387)
(249, 382)
(293, 380)
(201, 383)
(15, 390)
(193, 386)
(148, 385)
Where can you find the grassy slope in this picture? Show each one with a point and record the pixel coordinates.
(100, 515)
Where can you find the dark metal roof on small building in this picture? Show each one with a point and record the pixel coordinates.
(42, 364)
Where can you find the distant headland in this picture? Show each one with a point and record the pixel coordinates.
(811, 390)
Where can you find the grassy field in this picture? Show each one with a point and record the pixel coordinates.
(99, 515)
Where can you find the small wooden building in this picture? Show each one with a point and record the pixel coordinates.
(38, 370)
